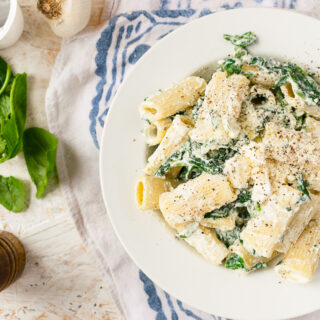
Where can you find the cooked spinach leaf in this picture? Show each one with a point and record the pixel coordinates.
(243, 40)
(231, 66)
(243, 198)
(235, 262)
(192, 165)
(302, 185)
(300, 121)
(304, 85)
(228, 237)
(11, 194)
(40, 149)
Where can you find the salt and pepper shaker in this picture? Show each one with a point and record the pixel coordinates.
(12, 259)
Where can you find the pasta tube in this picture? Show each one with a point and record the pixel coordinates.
(190, 201)
(155, 131)
(208, 245)
(289, 146)
(223, 224)
(250, 261)
(175, 99)
(221, 108)
(301, 260)
(148, 190)
(263, 232)
(176, 135)
(298, 224)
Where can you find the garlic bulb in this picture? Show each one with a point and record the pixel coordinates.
(66, 17)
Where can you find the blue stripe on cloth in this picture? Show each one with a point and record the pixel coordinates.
(292, 4)
(164, 4)
(129, 31)
(228, 6)
(114, 68)
(174, 315)
(205, 12)
(174, 13)
(188, 312)
(103, 47)
(154, 301)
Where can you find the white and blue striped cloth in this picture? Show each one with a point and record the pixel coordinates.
(88, 71)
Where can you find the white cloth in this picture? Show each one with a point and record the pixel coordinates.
(86, 75)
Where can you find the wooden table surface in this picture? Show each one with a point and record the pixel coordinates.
(61, 280)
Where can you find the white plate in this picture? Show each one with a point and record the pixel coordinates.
(168, 262)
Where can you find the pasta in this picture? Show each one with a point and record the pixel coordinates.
(300, 221)
(170, 101)
(191, 200)
(223, 224)
(155, 131)
(148, 190)
(302, 258)
(235, 171)
(174, 137)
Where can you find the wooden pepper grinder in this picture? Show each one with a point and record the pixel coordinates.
(12, 259)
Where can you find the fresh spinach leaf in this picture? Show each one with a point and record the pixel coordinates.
(243, 40)
(40, 149)
(11, 194)
(5, 75)
(12, 125)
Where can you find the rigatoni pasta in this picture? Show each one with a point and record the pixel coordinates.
(155, 131)
(173, 100)
(148, 191)
(235, 168)
(191, 200)
(175, 136)
(301, 260)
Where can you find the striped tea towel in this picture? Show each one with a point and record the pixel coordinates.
(88, 71)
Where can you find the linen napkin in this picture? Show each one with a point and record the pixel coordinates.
(87, 73)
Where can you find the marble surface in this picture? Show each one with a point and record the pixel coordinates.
(61, 280)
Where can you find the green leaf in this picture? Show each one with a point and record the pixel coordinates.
(243, 40)
(300, 121)
(11, 194)
(5, 75)
(228, 237)
(231, 66)
(40, 149)
(13, 125)
(234, 262)
(302, 185)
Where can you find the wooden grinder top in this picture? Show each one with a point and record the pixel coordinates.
(12, 259)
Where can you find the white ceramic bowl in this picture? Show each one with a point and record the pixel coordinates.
(11, 31)
(173, 265)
